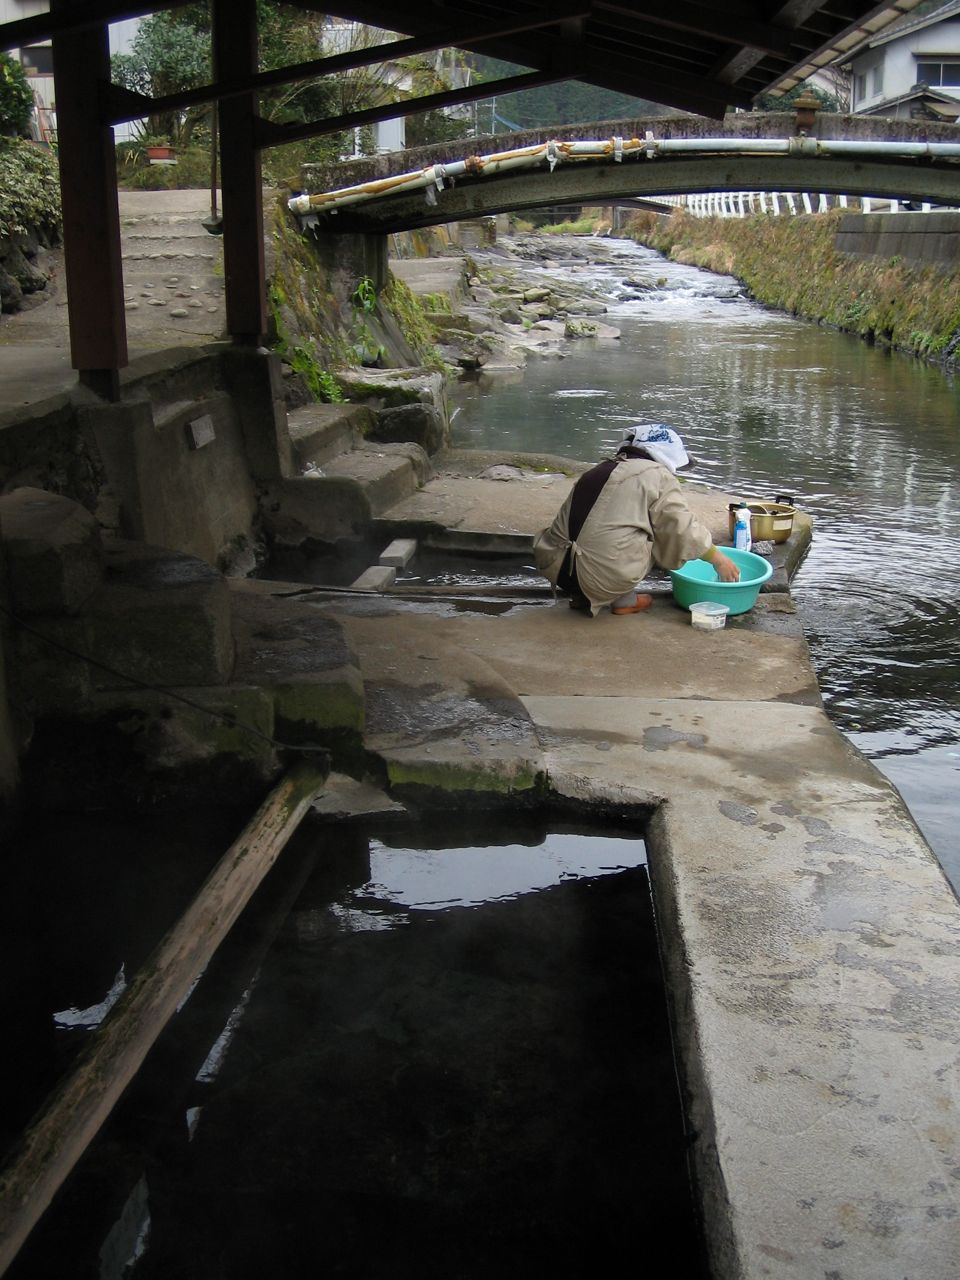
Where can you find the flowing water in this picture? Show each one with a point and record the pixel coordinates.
(868, 442)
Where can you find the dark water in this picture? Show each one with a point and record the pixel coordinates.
(422, 1053)
(869, 444)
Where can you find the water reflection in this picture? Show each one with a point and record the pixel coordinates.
(865, 440)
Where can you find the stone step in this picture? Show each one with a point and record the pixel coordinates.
(387, 473)
(171, 260)
(342, 500)
(302, 661)
(183, 230)
(184, 218)
(196, 309)
(319, 432)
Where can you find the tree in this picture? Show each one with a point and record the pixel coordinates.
(16, 97)
(170, 52)
(568, 102)
(785, 101)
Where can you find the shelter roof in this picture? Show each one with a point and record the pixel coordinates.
(695, 55)
(688, 54)
(925, 15)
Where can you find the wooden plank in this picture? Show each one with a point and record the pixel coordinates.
(74, 1113)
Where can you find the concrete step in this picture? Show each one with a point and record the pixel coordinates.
(171, 260)
(180, 228)
(387, 473)
(319, 432)
(342, 500)
(302, 661)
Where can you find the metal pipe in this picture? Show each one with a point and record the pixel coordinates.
(618, 149)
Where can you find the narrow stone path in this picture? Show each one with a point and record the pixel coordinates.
(173, 295)
(172, 268)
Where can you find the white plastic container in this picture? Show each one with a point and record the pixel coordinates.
(705, 615)
(742, 536)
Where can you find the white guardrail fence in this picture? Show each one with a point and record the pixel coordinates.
(741, 204)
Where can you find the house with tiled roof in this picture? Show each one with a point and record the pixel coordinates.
(910, 70)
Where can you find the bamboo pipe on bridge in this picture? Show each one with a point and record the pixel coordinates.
(616, 149)
(74, 1113)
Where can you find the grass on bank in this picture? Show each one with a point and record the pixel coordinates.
(584, 226)
(793, 264)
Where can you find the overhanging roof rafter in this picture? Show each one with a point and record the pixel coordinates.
(689, 54)
(129, 106)
(700, 20)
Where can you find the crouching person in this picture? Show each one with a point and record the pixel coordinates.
(621, 517)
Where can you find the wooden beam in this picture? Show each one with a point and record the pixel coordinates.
(235, 55)
(123, 106)
(703, 20)
(678, 88)
(91, 219)
(75, 1112)
(270, 134)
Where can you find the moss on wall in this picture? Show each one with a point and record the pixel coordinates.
(325, 320)
(793, 264)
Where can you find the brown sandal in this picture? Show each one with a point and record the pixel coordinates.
(643, 602)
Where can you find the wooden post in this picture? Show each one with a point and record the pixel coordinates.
(74, 1113)
(234, 55)
(91, 219)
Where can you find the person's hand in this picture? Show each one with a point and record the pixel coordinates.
(726, 569)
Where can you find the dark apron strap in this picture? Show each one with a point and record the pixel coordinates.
(585, 493)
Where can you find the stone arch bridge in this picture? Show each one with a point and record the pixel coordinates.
(672, 155)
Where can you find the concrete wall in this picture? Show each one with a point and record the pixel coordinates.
(174, 463)
(921, 237)
(447, 238)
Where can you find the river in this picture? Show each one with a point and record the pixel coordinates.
(866, 441)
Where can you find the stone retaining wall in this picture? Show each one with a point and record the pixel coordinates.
(920, 237)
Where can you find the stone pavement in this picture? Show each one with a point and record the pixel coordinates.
(173, 293)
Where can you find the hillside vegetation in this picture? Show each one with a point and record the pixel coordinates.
(792, 264)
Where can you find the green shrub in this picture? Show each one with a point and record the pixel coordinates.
(29, 190)
(16, 97)
(582, 227)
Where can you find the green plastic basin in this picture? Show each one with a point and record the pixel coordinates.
(697, 580)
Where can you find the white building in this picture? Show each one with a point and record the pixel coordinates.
(912, 69)
(37, 62)
(340, 35)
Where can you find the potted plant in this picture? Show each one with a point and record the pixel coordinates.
(159, 150)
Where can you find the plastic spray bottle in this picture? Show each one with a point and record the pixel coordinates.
(742, 538)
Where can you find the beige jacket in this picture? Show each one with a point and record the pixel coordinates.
(639, 518)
